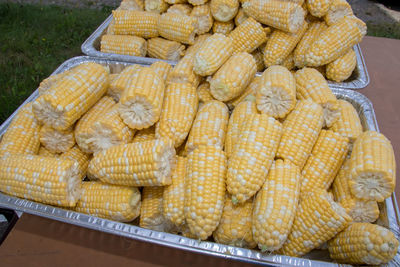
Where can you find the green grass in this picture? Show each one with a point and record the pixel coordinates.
(389, 30)
(34, 40)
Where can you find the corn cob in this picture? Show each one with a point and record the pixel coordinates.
(348, 124)
(81, 158)
(83, 125)
(140, 104)
(325, 160)
(50, 81)
(45, 152)
(240, 114)
(312, 33)
(247, 36)
(318, 218)
(113, 202)
(162, 69)
(47, 180)
(146, 163)
(318, 8)
(57, 141)
(233, 77)
(145, 134)
(342, 68)
(174, 194)
(300, 131)
(110, 28)
(372, 167)
(209, 126)
(335, 41)
(203, 92)
(223, 27)
(122, 81)
(131, 5)
(156, 6)
(310, 84)
(240, 17)
(64, 104)
(280, 44)
(275, 205)
(205, 194)
(224, 10)
(364, 243)
(214, 52)
(276, 94)
(22, 135)
(259, 58)
(359, 210)
(164, 49)
(198, 42)
(178, 112)
(183, 72)
(197, 2)
(288, 62)
(234, 229)
(338, 10)
(176, 27)
(183, 9)
(283, 15)
(172, 2)
(252, 156)
(123, 45)
(204, 18)
(249, 93)
(139, 23)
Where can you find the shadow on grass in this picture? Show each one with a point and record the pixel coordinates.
(34, 40)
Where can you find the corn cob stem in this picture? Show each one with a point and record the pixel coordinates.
(224, 10)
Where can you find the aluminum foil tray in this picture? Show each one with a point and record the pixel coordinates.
(389, 211)
(91, 47)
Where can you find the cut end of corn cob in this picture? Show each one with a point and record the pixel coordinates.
(224, 10)
(57, 141)
(364, 211)
(137, 111)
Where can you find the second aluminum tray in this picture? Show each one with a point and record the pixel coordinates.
(91, 47)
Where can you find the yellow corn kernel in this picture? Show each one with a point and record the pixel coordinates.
(283, 15)
(198, 42)
(183, 9)
(164, 49)
(335, 41)
(147, 163)
(275, 206)
(342, 68)
(50, 81)
(312, 33)
(325, 160)
(61, 106)
(156, 6)
(57, 141)
(122, 81)
(224, 10)
(259, 58)
(359, 210)
(276, 94)
(205, 194)
(204, 18)
(214, 52)
(183, 72)
(240, 114)
(249, 93)
(372, 167)
(131, 5)
(162, 69)
(348, 124)
(252, 156)
(177, 27)
(300, 132)
(364, 243)
(247, 36)
(83, 125)
(318, 8)
(209, 126)
(240, 17)
(139, 23)
(318, 219)
(223, 27)
(280, 44)
(123, 45)
(113, 202)
(45, 152)
(233, 77)
(172, 2)
(140, 104)
(80, 157)
(174, 194)
(234, 229)
(22, 135)
(178, 112)
(311, 84)
(203, 92)
(288, 62)
(145, 134)
(197, 2)
(338, 10)
(47, 180)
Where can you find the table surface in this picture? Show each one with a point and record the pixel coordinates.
(40, 242)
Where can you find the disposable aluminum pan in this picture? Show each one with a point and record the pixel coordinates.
(91, 47)
(388, 218)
